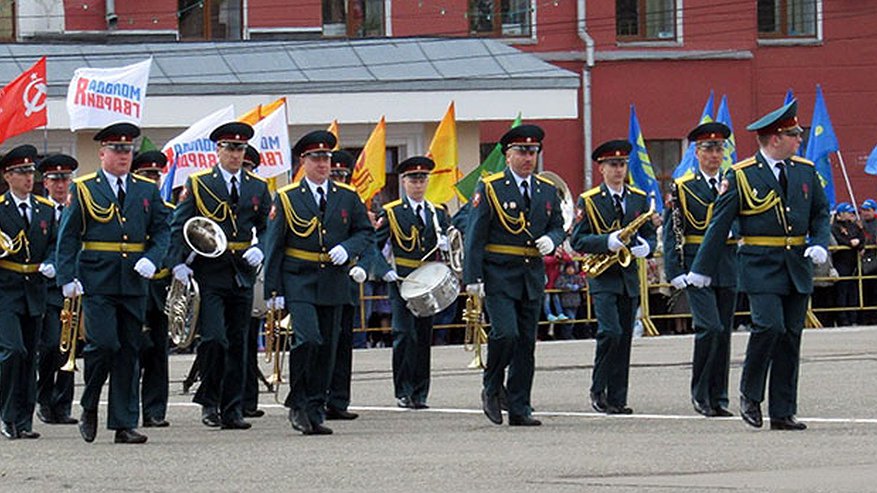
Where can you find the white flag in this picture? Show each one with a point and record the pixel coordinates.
(193, 150)
(271, 138)
(97, 97)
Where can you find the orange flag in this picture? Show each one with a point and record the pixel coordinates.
(370, 171)
(253, 116)
(443, 150)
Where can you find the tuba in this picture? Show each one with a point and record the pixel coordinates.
(597, 263)
(206, 239)
(567, 204)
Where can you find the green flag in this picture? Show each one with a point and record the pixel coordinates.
(494, 162)
(147, 145)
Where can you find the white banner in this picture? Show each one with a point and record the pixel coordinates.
(193, 150)
(97, 97)
(271, 138)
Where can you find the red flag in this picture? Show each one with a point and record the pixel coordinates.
(23, 102)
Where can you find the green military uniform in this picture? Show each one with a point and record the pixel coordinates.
(29, 242)
(411, 238)
(226, 281)
(100, 240)
(772, 269)
(712, 307)
(615, 292)
(500, 252)
(301, 233)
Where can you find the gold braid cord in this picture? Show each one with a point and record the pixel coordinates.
(514, 225)
(100, 214)
(597, 221)
(750, 205)
(684, 192)
(16, 243)
(297, 225)
(222, 210)
(406, 242)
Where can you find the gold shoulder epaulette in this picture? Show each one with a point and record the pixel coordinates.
(169, 205)
(44, 200)
(344, 186)
(255, 176)
(291, 186)
(636, 190)
(390, 205)
(684, 178)
(3, 199)
(85, 178)
(544, 180)
(744, 163)
(493, 177)
(142, 178)
(201, 173)
(799, 159)
(593, 191)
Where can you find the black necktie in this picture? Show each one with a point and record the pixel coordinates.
(322, 200)
(525, 192)
(23, 207)
(419, 214)
(784, 182)
(121, 191)
(713, 186)
(60, 209)
(619, 210)
(234, 196)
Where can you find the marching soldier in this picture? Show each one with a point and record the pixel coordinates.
(601, 214)
(315, 226)
(238, 201)
(415, 229)
(54, 387)
(113, 237)
(515, 219)
(338, 398)
(154, 352)
(712, 307)
(26, 262)
(777, 200)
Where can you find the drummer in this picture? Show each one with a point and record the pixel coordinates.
(416, 230)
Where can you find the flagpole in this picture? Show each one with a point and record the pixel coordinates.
(843, 169)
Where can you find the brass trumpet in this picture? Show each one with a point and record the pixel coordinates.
(275, 345)
(475, 336)
(71, 330)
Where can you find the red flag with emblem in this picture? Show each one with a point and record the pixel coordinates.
(23, 102)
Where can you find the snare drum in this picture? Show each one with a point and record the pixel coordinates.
(429, 289)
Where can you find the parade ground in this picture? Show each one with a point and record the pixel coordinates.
(663, 447)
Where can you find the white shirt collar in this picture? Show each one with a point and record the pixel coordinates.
(520, 179)
(414, 203)
(770, 161)
(707, 176)
(314, 186)
(54, 202)
(615, 192)
(227, 176)
(114, 179)
(19, 201)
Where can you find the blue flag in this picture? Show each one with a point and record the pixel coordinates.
(688, 163)
(642, 174)
(790, 96)
(871, 163)
(821, 143)
(723, 115)
(167, 186)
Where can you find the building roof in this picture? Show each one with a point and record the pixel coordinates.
(318, 66)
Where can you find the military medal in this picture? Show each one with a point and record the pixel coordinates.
(805, 189)
(44, 226)
(146, 206)
(273, 212)
(476, 199)
(255, 201)
(344, 216)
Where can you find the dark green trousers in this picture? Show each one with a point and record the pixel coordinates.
(510, 344)
(615, 315)
(315, 328)
(19, 334)
(712, 310)
(412, 338)
(54, 387)
(339, 384)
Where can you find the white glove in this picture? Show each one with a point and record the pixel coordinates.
(358, 274)
(443, 244)
(47, 270)
(183, 273)
(253, 256)
(642, 249)
(145, 268)
(817, 254)
(72, 288)
(545, 244)
(338, 255)
(698, 280)
(614, 244)
(391, 276)
(679, 281)
(275, 303)
(475, 288)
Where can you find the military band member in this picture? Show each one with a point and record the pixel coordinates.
(54, 387)
(514, 220)
(315, 226)
(154, 350)
(238, 201)
(712, 307)
(28, 225)
(409, 224)
(338, 398)
(601, 214)
(112, 239)
(777, 200)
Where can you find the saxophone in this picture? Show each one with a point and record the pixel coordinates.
(596, 263)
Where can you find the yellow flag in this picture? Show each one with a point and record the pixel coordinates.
(370, 171)
(333, 129)
(253, 116)
(443, 150)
